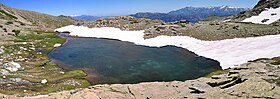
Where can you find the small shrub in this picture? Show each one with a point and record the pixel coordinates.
(16, 32)
(276, 61)
(1, 26)
(132, 21)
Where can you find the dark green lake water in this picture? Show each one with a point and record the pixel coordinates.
(111, 61)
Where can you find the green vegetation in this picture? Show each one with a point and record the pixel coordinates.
(276, 61)
(16, 32)
(219, 72)
(134, 20)
(45, 89)
(44, 39)
(38, 67)
(7, 14)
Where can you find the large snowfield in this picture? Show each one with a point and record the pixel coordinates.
(230, 53)
(266, 17)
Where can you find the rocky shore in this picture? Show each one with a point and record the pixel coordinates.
(255, 79)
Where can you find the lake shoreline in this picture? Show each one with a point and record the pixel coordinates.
(70, 65)
(230, 52)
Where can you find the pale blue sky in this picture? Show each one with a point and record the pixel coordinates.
(117, 7)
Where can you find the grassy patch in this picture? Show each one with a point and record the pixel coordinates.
(7, 14)
(44, 39)
(276, 61)
(16, 32)
(219, 72)
(49, 88)
(38, 66)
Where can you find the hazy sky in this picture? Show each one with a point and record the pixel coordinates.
(117, 7)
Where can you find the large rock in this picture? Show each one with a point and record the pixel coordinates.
(12, 66)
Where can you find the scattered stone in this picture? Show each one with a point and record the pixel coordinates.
(22, 48)
(236, 81)
(196, 90)
(4, 72)
(1, 51)
(218, 82)
(57, 45)
(12, 66)
(44, 81)
(240, 68)
(232, 72)
(217, 76)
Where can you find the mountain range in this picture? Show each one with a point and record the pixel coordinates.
(89, 17)
(192, 14)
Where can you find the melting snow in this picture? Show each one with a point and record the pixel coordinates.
(266, 17)
(230, 53)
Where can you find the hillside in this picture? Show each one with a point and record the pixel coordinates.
(34, 18)
(262, 13)
(192, 14)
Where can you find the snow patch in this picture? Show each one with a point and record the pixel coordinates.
(266, 17)
(230, 53)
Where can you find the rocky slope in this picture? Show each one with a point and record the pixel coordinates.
(260, 7)
(40, 20)
(256, 79)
